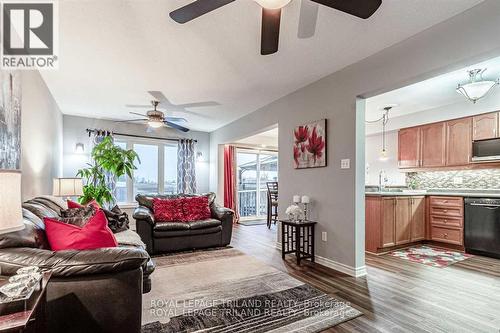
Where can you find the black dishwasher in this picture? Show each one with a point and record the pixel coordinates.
(482, 226)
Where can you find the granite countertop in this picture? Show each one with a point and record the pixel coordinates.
(440, 192)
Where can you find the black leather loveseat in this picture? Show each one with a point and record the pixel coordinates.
(89, 291)
(168, 236)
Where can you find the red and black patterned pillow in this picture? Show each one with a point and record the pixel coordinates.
(196, 208)
(168, 209)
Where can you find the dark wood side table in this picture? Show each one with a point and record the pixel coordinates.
(32, 318)
(298, 238)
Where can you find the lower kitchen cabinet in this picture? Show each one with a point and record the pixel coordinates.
(446, 219)
(392, 221)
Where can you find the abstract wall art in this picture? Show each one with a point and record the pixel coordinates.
(10, 121)
(309, 149)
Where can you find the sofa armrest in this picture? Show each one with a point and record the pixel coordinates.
(145, 214)
(72, 262)
(226, 216)
(222, 213)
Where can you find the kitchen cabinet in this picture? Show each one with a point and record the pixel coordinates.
(433, 145)
(409, 148)
(458, 142)
(388, 222)
(392, 221)
(446, 215)
(485, 126)
(403, 220)
(418, 218)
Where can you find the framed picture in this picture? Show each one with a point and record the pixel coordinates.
(309, 149)
(10, 121)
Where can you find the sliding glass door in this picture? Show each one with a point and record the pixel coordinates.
(254, 170)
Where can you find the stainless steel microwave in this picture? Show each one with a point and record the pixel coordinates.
(486, 150)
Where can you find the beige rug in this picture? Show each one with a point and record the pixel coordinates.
(225, 290)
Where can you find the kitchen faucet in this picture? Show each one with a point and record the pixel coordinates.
(382, 180)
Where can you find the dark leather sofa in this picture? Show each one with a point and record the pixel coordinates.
(89, 291)
(167, 236)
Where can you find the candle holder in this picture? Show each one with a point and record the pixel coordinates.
(305, 211)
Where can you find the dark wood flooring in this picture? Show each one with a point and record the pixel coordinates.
(397, 295)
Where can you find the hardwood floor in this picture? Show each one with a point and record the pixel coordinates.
(397, 295)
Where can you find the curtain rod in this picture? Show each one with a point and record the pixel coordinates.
(89, 130)
(259, 149)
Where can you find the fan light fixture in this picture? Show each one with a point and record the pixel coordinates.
(156, 123)
(273, 4)
(477, 87)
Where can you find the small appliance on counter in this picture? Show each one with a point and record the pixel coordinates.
(482, 226)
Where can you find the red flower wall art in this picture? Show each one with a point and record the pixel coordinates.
(309, 149)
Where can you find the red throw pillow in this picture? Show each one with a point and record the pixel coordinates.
(196, 208)
(93, 235)
(72, 204)
(168, 209)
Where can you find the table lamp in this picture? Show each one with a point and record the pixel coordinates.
(67, 187)
(11, 212)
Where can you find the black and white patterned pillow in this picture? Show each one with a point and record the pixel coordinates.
(77, 216)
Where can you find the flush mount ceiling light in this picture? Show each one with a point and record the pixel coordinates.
(477, 87)
(384, 119)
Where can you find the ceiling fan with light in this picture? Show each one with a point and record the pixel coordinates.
(271, 15)
(156, 119)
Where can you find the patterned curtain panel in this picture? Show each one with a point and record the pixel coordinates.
(186, 167)
(110, 179)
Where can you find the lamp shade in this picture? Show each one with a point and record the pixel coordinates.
(11, 213)
(67, 187)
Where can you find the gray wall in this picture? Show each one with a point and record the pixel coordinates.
(41, 136)
(74, 132)
(338, 195)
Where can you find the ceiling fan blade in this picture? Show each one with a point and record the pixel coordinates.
(270, 31)
(131, 120)
(158, 95)
(196, 9)
(176, 119)
(307, 19)
(138, 106)
(176, 126)
(139, 114)
(360, 8)
(198, 105)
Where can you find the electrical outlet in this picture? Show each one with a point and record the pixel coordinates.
(458, 180)
(324, 236)
(345, 163)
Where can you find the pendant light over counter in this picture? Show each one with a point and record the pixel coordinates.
(477, 87)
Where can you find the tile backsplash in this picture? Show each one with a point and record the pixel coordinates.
(463, 179)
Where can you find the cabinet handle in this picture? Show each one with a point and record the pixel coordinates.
(445, 201)
(445, 210)
(445, 235)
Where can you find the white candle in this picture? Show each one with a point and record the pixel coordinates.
(296, 198)
(305, 199)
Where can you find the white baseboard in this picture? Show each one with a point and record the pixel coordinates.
(343, 268)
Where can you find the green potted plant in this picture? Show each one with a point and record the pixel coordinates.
(107, 160)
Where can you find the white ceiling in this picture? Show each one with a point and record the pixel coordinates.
(265, 139)
(433, 93)
(112, 52)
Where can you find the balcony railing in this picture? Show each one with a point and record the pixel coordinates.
(247, 200)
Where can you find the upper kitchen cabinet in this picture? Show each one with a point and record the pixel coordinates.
(433, 145)
(458, 142)
(485, 126)
(409, 148)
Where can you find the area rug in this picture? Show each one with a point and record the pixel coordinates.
(252, 222)
(430, 256)
(227, 291)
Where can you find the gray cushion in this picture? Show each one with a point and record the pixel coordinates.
(202, 224)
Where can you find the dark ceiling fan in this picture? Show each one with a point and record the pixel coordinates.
(271, 15)
(156, 119)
